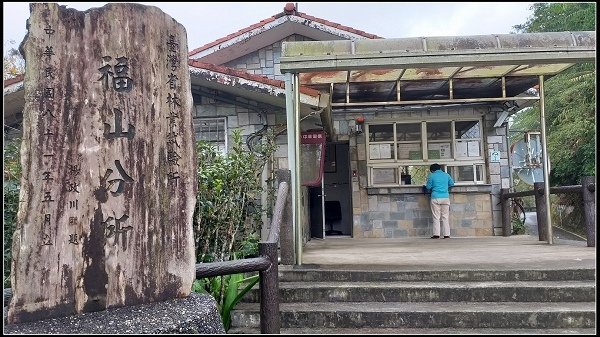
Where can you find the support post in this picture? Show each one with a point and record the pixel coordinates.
(540, 210)
(546, 162)
(270, 321)
(506, 218)
(588, 186)
(293, 140)
(298, 179)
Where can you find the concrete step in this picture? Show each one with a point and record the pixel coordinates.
(334, 299)
(361, 274)
(416, 332)
(495, 315)
(452, 291)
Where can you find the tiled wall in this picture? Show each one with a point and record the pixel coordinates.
(395, 216)
(248, 116)
(409, 215)
(265, 61)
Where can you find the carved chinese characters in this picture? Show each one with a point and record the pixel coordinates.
(174, 103)
(108, 187)
(46, 101)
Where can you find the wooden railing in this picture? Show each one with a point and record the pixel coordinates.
(587, 188)
(266, 264)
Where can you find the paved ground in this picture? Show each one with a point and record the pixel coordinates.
(468, 253)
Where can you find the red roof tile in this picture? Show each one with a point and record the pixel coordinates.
(248, 76)
(14, 80)
(277, 16)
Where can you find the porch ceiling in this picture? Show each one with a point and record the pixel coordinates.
(441, 69)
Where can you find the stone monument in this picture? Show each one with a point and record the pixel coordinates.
(108, 185)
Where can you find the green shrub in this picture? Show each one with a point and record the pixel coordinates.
(227, 220)
(229, 187)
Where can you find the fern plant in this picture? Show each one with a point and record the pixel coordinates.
(233, 293)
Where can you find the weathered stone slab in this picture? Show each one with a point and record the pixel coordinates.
(108, 185)
(196, 314)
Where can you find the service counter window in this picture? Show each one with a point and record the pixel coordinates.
(399, 153)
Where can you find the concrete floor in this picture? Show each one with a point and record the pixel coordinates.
(466, 253)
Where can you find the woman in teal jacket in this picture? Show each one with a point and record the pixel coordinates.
(439, 183)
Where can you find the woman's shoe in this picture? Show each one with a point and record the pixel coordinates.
(435, 237)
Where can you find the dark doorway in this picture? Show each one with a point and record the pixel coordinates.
(337, 193)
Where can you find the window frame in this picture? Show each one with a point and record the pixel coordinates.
(454, 161)
(225, 131)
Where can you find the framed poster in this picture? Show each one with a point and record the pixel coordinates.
(473, 149)
(409, 151)
(439, 150)
(374, 151)
(461, 149)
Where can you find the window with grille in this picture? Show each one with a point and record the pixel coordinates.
(214, 131)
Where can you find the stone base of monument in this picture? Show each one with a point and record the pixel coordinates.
(196, 314)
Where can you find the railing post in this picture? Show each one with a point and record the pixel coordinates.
(540, 210)
(506, 218)
(270, 321)
(588, 185)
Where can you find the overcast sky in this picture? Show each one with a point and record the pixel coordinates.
(208, 21)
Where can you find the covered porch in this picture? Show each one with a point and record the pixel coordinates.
(463, 88)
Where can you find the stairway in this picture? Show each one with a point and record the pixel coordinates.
(316, 299)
